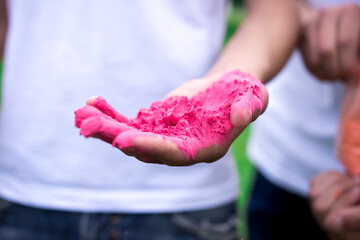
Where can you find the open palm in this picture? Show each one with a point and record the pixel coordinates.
(196, 122)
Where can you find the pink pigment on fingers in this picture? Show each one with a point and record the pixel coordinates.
(201, 121)
(101, 104)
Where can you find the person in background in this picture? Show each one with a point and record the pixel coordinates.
(296, 139)
(56, 185)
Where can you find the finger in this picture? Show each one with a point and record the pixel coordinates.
(333, 190)
(246, 107)
(349, 41)
(101, 104)
(349, 197)
(130, 151)
(85, 112)
(325, 192)
(152, 148)
(324, 204)
(344, 220)
(104, 128)
(93, 123)
(323, 181)
(265, 100)
(328, 53)
(351, 219)
(309, 43)
(212, 153)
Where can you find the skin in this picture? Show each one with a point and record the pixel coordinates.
(119, 131)
(260, 47)
(335, 199)
(330, 42)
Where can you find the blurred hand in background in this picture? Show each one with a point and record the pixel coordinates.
(330, 40)
(334, 199)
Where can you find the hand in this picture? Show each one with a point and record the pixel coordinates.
(195, 123)
(330, 41)
(334, 198)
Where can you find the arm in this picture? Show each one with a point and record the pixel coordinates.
(261, 46)
(264, 41)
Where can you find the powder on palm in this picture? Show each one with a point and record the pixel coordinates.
(192, 123)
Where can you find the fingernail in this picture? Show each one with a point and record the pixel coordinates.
(245, 114)
(240, 117)
(91, 100)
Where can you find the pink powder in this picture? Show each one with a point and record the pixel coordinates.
(198, 122)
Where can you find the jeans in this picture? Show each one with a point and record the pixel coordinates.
(275, 214)
(18, 222)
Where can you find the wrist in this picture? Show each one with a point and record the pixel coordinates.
(219, 71)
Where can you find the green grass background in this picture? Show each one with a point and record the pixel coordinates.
(244, 167)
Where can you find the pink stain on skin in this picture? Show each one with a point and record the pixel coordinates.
(192, 124)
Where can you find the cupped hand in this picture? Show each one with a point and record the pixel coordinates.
(330, 40)
(196, 122)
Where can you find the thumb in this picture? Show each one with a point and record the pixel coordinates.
(247, 106)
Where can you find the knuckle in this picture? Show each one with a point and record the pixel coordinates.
(352, 7)
(319, 209)
(328, 225)
(345, 40)
(328, 11)
(311, 22)
(352, 11)
(326, 49)
(313, 64)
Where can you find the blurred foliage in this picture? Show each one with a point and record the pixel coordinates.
(238, 3)
(244, 166)
(235, 16)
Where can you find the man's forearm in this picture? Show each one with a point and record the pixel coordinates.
(264, 41)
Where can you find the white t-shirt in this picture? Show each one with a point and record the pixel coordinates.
(60, 52)
(295, 139)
